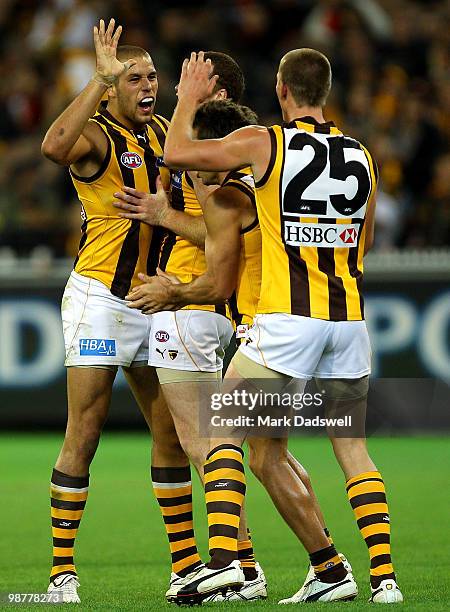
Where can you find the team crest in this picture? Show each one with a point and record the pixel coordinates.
(131, 160)
(173, 354)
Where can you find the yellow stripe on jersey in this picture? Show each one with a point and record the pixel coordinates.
(244, 302)
(114, 250)
(307, 269)
(178, 255)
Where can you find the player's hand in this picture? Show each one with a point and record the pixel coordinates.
(150, 208)
(197, 81)
(109, 68)
(170, 277)
(152, 296)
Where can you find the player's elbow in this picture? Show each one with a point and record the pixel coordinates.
(52, 151)
(223, 290)
(174, 159)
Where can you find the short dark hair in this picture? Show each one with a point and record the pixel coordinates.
(218, 118)
(307, 74)
(126, 52)
(230, 75)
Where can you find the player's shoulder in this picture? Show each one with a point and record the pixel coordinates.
(235, 193)
(357, 144)
(241, 179)
(251, 132)
(162, 121)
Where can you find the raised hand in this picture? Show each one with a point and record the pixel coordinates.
(197, 81)
(109, 68)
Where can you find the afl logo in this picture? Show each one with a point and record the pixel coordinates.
(161, 336)
(131, 160)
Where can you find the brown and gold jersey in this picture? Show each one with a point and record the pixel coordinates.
(179, 256)
(114, 250)
(312, 204)
(244, 301)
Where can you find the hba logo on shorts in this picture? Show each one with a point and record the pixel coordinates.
(97, 346)
(161, 336)
(131, 160)
(321, 234)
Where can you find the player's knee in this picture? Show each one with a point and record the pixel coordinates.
(83, 442)
(196, 453)
(167, 450)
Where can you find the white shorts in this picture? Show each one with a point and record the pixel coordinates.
(191, 340)
(304, 347)
(98, 327)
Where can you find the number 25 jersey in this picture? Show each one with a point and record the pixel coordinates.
(312, 204)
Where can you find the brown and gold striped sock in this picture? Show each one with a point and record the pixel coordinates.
(329, 538)
(173, 490)
(224, 493)
(367, 496)
(328, 565)
(68, 496)
(246, 557)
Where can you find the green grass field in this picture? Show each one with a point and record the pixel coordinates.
(122, 555)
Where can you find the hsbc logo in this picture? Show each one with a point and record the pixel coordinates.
(331, 235)
(349, 236)
(131, 160)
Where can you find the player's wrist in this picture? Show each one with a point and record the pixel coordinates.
(105, 80)
(165, 218)
(175, 295)
(189, 103)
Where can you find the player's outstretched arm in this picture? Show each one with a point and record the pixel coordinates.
(222, 249)
(155, 209)
(242, 148)
(71, 137)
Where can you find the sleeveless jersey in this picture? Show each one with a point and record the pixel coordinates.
(114, 250)
(179, 256)
(312, 203)
(244, 301)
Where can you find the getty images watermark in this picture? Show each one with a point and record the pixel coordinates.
(341, 408)
(272, 408)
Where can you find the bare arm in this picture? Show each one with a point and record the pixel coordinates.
(222, 249)
(155, 209)
(249, 146)
(70, 137)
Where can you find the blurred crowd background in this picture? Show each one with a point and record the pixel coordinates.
(391, 63)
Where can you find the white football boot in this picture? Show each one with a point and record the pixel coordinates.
(387, 592)
(251, 590)
(177, 582)
(311, 575)
(65, 587)
(206, 581)
(316, 590)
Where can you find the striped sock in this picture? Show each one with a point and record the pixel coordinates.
(246, 557)
(367, 496)
(328, 565)
(327, 533)
(68, 496)
(173, 490)
(224, 493)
